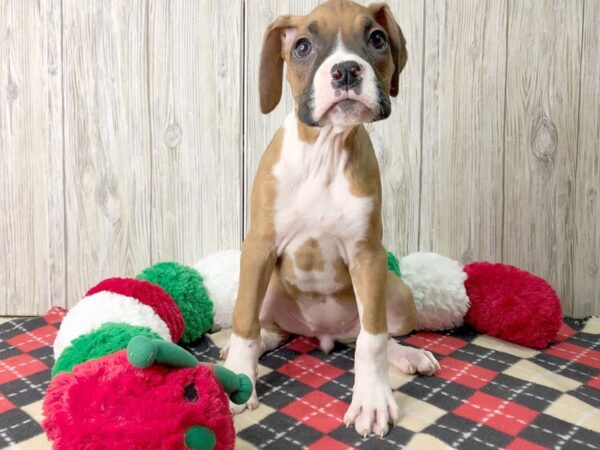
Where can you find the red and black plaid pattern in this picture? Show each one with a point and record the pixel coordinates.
(25, 362)
(488, 395)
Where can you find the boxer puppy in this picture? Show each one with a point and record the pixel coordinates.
(313, 263)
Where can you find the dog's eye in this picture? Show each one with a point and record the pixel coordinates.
(302, 48)
(377, 40)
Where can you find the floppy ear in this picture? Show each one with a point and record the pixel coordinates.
(270, 77)
(384, 17)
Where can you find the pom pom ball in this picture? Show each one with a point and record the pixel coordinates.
(148, 294)
(95, 310)
(437, 284)
(511, 304)
(220, 273)
(186, 287)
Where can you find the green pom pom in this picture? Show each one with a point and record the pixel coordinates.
(109, 338)
(200, 438)
(393, 264)
(185, 286)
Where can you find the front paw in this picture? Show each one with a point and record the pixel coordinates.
(373, 409)
(242, 358)
(251, 404)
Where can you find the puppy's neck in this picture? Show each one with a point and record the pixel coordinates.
(321, 153)
(323, 135)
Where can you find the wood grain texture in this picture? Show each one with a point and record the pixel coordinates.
(463, 109)
(107, 141)
(130, 132)
(586, 257)
(542, 98)
(396, 140)
(32, 269)
(195, 92)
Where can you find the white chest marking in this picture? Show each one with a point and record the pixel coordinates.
(313, 194)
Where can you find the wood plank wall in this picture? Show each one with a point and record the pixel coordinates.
(130, 133)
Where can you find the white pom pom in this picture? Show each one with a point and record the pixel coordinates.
(220, 273)
(91, 312)
(438, 285)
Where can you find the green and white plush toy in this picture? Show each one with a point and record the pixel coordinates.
(167, 301)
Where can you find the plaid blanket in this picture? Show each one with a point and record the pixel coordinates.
(488, 395)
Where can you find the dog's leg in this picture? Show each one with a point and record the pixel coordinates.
(270, 339)
(245, 344)
(373, 406)
(402, 319)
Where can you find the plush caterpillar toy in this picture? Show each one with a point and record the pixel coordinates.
(121, 382)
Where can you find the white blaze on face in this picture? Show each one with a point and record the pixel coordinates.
(326, 96)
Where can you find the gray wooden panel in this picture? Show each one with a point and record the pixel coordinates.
(463, 109)
(195, 91)
(107, 141)
(542, 97)
(586, 271)
(162, 134)
(31, 192)
(397, 139)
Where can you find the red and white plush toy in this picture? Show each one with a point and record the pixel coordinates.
(496, 299)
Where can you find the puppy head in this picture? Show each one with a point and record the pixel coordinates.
(343, 63)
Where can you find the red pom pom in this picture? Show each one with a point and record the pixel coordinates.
(149, 294)
(511, 304)
(108, 403)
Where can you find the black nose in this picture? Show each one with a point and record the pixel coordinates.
(346, 75)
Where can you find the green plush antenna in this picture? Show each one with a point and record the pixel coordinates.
(237, 386)
(142, 352)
